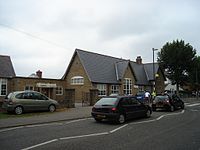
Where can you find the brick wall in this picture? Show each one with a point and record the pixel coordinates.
(76, 69)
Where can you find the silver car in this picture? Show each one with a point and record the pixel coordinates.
(22, 101)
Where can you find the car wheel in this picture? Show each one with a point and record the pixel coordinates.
(182, 106)
(171, 108)
(148, 113)
(154, 109)
(121, 119)
(98, 120)
(18, 110)
(52, 108)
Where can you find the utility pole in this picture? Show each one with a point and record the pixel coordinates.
(154, 79)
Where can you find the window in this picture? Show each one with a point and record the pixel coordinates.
(134, 101)
(38, 96)
(102, 89)
(28, 88)
(127, 86)
(3, 87)
(115, 89)
(59, 90)
(77, 80)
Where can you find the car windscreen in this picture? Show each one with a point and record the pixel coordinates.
(106, 101)
(161, 98)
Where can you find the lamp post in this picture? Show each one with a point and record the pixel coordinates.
(154, 84)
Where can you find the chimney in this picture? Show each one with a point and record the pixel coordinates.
(139, 60)
(39, 74)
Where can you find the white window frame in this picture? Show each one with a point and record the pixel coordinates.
(102, 89)
(3, 82)
(114, 89)
(59, 90)
(77, 80)
(127, 86)
(29, 88)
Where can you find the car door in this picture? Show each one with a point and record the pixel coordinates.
(41, 101)
(138, 109)
(126, 107)
(27, 101)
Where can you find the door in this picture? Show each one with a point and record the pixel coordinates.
(26, 100)
(41, 101)
(138, 108)
(128, 107)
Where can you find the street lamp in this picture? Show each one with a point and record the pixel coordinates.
(154, 84)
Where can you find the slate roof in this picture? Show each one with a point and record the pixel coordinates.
(140, 73)
(6, 67)
(101, 68)
(106, 69)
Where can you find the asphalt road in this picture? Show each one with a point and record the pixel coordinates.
(179, 130)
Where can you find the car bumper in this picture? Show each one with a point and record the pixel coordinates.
(8, 107)
(155, 106)
(110, 116)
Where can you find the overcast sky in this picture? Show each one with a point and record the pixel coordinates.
(43, 34)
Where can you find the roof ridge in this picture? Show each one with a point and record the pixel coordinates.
(4, 56)
(102, 54)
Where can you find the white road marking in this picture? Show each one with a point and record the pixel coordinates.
(99, 134)
(194, 110)
(8, 129)
(44, 124)
(187, 103)
(82, 136)
(196, 104)
(68, 122)
(118, 128)
(146, 121)
(40, 125)
(44, 143)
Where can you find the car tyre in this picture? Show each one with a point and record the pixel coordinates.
(52, 108)
(172, 108)
(148, 113)
(98, 120)
(154, 109)
(182, 106)
(18, 110)
(121, 119)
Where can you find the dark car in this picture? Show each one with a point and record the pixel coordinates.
(21, 101)
(119, 109)
(168, 102)
(140, 96)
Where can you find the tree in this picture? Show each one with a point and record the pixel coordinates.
(177, 58)
(194, 74)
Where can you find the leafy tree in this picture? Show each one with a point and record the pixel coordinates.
(194, 74)
(177, 59)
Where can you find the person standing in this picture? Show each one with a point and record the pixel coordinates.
(147, 97)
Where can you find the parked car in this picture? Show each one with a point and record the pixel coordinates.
(119, 109)
(168, 102)
(140, 96)
(23, 101)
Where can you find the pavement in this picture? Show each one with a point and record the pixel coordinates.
(78, 112)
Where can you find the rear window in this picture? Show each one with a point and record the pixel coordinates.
(161, 97)
(107, 101)
(8, 96)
